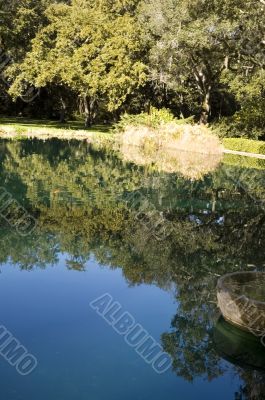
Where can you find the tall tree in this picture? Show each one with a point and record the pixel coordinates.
(193, 41)
(20, 22)
(85, 47)
(245, 75)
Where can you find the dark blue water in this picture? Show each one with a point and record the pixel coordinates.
(79, 355)
(89, 240)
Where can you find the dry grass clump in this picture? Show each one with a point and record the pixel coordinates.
(191, 150)
(194, 138)
(186, 137)
(136, 136)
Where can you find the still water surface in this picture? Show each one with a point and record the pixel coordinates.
(156, 242)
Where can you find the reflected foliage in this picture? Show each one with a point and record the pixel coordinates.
(78, 194)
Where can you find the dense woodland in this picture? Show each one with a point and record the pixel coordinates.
(63, 59)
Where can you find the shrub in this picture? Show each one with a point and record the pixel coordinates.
(243, 124)
(155, 119)
(249, 120)
(247, 145)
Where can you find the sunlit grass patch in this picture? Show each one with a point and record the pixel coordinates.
(245, 145)
(44, 129)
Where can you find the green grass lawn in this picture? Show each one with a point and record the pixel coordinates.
(39, 123)
(245, 145)
(23, 127)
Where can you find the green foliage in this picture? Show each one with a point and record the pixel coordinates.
(63, 184)
(103, 58)
(188, 46)
(152, 120)
(87, 49)
(92, 188)
(247, 145)
(249, 92)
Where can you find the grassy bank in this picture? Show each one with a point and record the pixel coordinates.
(245, 145)
(244, 162)
(19, 128)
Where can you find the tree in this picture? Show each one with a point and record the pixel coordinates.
(245, 76)
(193, 42)
(20, 21)
(87, 49)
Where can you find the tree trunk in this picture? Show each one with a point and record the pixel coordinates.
(89, 111)
(206, 107)
(62, 111)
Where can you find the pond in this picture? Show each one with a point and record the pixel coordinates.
(84, 232)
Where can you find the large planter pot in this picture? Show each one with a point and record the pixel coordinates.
(241, 299)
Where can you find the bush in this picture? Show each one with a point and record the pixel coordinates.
(234, 127)
(154, 120)
(249, 119)
(247, 145)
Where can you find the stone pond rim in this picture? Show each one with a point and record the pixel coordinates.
(241, 299)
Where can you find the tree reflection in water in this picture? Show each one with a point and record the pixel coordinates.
(77, 193)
